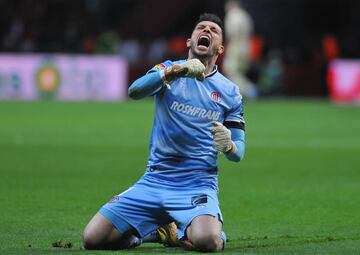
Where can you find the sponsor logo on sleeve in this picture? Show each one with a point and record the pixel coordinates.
(159, 66)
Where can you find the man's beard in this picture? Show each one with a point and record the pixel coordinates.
(201, 56)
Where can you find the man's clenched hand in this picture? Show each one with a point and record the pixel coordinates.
(222, 138)
(192, 68)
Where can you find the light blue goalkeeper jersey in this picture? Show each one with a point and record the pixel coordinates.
(181, 150)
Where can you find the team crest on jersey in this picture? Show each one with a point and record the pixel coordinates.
(215, 96)
(159, 66)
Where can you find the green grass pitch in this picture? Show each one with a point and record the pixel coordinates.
(296, 192)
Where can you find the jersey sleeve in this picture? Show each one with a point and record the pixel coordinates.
(234, 118)
(161, 66)
(158, 68)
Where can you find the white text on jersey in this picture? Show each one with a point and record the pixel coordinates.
(195, 111)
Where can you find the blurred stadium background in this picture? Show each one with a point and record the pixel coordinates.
(70, 139)
(292, 44)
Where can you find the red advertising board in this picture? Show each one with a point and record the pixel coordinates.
(344, 81)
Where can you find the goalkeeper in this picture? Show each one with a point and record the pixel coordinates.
(198, 114)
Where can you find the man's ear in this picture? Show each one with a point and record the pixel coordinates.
(188, 43)
(221, 49)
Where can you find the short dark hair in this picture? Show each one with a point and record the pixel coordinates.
(213, 18)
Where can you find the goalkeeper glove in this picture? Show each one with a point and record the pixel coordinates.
(222, 138)
(192, 68)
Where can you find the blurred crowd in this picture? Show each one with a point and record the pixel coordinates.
(277, 61)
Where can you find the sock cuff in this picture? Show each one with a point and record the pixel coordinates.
(223, 237)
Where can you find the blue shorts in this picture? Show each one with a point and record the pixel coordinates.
(146, 206)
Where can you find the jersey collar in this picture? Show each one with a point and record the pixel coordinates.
(212, 72)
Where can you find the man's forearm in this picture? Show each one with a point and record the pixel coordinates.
(151, 83)
(238, 138)
(145, 86)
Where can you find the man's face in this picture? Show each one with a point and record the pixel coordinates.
(206, 40)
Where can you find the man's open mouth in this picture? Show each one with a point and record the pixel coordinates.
(204, 41)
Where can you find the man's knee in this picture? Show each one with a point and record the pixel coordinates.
(91, 241)
(207, 242)
(95, 240)
(204, 233)
(100, 234)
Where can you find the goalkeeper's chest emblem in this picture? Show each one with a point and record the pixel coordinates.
(215, 96)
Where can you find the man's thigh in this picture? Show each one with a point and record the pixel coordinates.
(139, 206)
(186, 206)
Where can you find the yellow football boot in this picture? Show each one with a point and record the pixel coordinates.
(168, 235)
